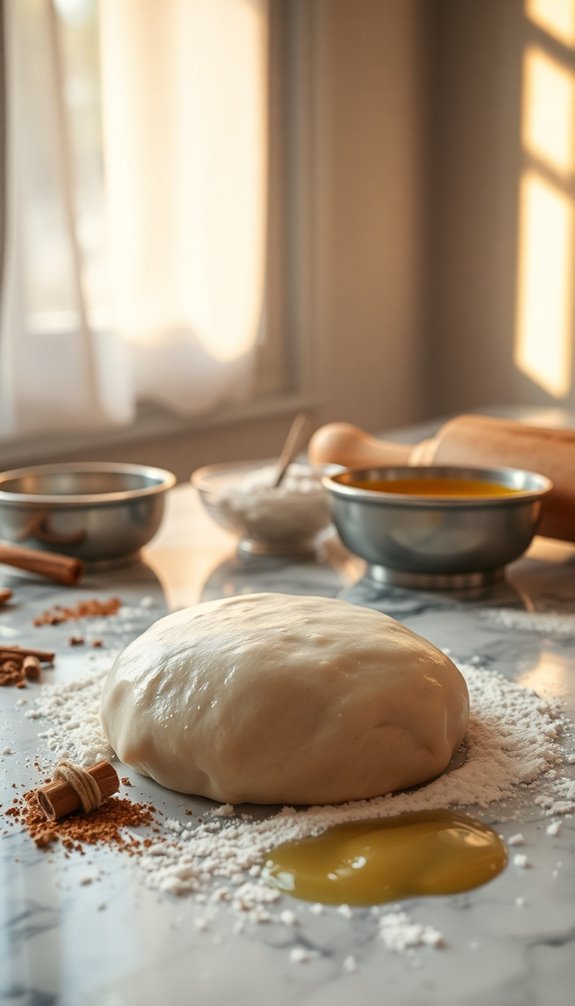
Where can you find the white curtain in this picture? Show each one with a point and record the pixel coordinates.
(172, 312)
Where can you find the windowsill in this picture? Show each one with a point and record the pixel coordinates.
(151, 424)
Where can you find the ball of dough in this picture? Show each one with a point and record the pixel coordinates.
(276, 698)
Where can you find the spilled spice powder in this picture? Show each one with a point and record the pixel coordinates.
(84, 609)
(103, 825)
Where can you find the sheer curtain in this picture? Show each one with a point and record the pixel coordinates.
(169, 309)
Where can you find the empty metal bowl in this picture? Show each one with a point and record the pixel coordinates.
(432, 541)
(99, 512)
(292, 519)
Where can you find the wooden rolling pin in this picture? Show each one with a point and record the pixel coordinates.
(469, 440)
(60, 568)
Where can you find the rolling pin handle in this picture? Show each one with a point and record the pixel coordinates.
(347, 445)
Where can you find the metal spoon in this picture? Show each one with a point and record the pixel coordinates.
(291, 446)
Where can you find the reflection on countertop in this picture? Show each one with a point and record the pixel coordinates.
(327, 574)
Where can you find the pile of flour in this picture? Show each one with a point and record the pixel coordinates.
(297, 508)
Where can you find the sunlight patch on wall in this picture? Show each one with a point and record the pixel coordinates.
(186, 159)
(225, 306)
(556, 17)
(544, 296)
(549, 111)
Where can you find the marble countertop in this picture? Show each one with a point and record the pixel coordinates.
(79, 930)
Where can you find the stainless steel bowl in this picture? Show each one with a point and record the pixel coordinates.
(436, 542)
(100, 512)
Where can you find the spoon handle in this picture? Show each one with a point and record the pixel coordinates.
(291, 445)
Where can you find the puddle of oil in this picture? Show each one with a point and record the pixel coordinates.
(371, 862)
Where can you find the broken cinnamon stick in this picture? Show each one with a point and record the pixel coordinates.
(31, 667)
(58, 799)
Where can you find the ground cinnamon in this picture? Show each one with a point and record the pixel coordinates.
(84, 609)
(104, 825)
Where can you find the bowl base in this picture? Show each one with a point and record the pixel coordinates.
(250, 546)
(433, 581)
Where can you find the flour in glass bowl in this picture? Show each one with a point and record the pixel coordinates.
(243, 498)
(514, 740)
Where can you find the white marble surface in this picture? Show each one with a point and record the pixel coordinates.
(115, 942)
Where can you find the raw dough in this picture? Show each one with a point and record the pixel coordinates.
(276, 698)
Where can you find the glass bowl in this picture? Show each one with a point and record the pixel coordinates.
(292, 519)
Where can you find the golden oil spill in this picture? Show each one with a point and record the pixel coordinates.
(371, 862)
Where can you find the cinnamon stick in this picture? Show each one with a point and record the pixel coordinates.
(61, 568)
(58, 799)
(10, 666)
(44, 656)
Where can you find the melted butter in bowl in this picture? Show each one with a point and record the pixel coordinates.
(436, 488)
(371, 862)
(438, 526)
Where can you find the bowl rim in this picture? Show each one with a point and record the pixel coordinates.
(220, 467)
(198, 475)
(164, 480)
(487, 474)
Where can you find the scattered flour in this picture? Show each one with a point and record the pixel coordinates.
(301, 955)
(548, 623)
(520, 860)
(73, 711)
(399, 933)
(513, 739)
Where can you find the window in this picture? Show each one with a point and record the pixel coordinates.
(64, 221)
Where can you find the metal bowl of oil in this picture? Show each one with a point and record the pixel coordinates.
(442, 527)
